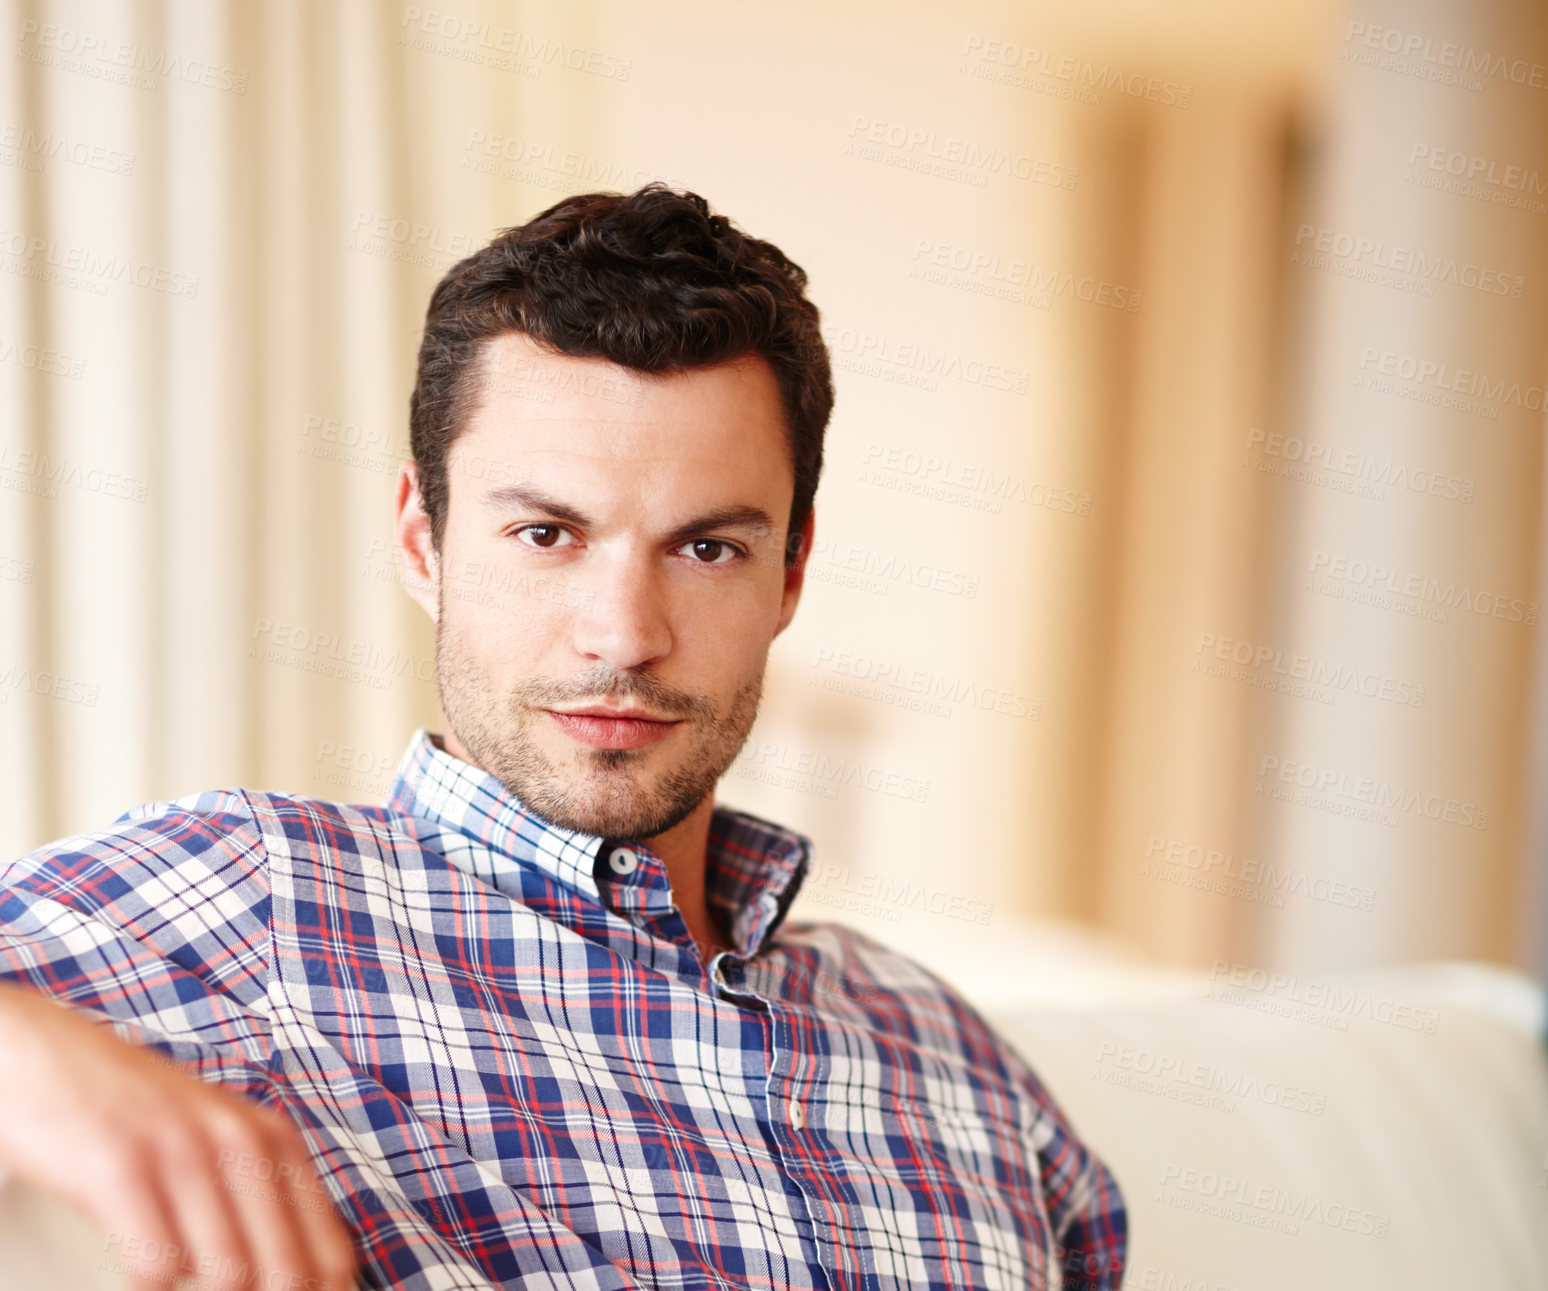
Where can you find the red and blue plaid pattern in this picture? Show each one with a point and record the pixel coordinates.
(514, 1069)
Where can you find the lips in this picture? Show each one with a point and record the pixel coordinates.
(612, 732)
(598, 711)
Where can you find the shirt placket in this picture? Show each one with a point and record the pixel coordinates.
(792, 1093)
(633, 881)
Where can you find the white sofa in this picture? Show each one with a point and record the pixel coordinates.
(1383, 1130)
(1374, 1130)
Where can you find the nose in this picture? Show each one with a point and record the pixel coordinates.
(623, 618)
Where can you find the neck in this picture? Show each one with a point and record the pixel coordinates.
(684, 850)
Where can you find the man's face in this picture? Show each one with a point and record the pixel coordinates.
(582, 565)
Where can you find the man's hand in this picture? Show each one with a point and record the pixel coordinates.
(186, 1179)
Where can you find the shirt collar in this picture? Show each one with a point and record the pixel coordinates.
(755, 867)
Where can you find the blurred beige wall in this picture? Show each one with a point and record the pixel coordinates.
(1078, 619)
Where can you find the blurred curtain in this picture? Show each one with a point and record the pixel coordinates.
(235, 268)
(1325, 602)
(1434, 176)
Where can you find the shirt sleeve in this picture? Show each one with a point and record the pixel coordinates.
(1085, 1206)
(1085, 1209)
(159, 930)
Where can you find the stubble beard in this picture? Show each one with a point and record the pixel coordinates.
(607, 792)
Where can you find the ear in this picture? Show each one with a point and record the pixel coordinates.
(795, 574)
(419, 565)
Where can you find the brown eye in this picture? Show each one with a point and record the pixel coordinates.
(552, 530)
(716, 547)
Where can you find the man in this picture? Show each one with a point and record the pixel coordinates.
(538, 1021)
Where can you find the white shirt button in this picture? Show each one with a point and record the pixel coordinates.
(797, 1117)
(623, 861)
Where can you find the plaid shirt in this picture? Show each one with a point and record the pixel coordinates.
(514, 1069)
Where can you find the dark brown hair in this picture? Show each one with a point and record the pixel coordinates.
(652, 281)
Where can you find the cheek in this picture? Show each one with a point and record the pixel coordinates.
(502, 603)
(508, 636)
(724, 654)
(740, 612)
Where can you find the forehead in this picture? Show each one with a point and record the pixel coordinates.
(533, 402)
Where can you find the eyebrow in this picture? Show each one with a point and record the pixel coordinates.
(738, 516)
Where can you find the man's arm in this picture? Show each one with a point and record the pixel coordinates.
(149, 1153)
(100, 1001)
(1085, 1205)
(155, 936)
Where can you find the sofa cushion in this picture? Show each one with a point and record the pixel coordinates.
(1367, 1130)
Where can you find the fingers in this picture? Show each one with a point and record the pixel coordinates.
(274, 1228)
(142, 1239)
(185, 1178)
(216, 1234)
(289, 1221)
(223, 1195)
(326, 1235)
